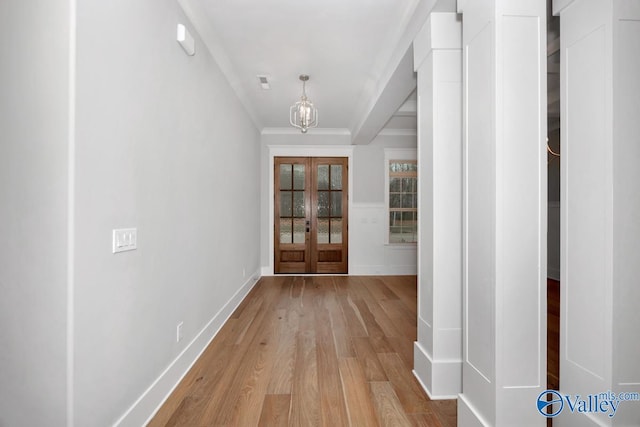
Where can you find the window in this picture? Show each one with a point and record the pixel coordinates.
(403, 201)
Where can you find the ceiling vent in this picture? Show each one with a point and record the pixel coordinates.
(264, 82)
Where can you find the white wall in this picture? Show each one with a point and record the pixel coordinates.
(33, 211)
(164, 145)
(368, 253)
(369, 167)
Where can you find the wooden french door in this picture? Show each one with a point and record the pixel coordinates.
(311, 215)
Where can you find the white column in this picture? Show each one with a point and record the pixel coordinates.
(505, 212)
(438, 63)
(600, 237)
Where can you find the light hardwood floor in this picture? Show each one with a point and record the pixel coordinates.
(312, 351)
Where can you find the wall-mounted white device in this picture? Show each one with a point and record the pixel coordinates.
(125, 239)
(186, 40)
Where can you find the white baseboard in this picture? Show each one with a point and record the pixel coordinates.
(266, 271)
(384, 270)
(365, 270)
(143, 410)
(467, 414)
(440, 379)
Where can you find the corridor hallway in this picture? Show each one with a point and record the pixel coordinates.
(307, 351)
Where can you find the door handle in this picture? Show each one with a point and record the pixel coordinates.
(308, 226)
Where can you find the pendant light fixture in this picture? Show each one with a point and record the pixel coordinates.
(303, 115)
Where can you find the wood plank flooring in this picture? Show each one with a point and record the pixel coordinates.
(312, 351)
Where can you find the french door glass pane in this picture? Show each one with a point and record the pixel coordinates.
(298, 204)
(323, 204)
(285, 204)
(298, 230)
(336, 203)
(285, 177)
(323, 231)
(336, 230)
(323, 177)
(298, 177)
(285, 230)
(292, 203)
(336, 177)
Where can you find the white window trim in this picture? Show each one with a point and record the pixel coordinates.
(395, 154)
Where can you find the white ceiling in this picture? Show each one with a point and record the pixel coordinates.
(349, 48)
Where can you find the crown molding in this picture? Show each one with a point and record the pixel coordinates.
(312, 131)
(197, 16)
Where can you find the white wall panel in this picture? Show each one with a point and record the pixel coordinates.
(520, 202)
(600, 204)
(369, 255)
(448, 186)
(480, 210)
(626, 158)
(438, 62)
(426, 252)
(587, 201)
(627, 205)
(505, 212)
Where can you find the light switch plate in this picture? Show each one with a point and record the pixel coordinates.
(125, 239)
(179, 332)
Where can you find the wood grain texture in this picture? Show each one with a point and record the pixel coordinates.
(311, 351)
(356, 393)
(275, 410)
(388, 407)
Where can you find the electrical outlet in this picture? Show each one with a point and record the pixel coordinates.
(244, 273)
(179, 332)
